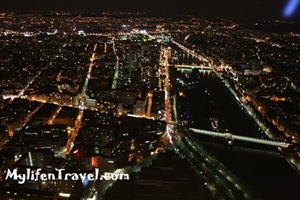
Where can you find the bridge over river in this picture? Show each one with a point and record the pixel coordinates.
(241, 138)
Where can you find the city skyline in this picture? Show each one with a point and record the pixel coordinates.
(255, 9)
(184, 107)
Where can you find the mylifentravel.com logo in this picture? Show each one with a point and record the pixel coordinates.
(37, 175)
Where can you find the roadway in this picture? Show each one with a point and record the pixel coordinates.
(218, 179)
(116, 74)
(193, 66)
(160, 69)
(22, 91)
(74, 132)
(150, 98)
(77, 126)
(86, 83)
(54, 114)
(168, 111)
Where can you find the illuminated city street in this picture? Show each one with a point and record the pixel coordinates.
(200, 104)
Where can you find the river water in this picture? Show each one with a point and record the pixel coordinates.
(261, 167)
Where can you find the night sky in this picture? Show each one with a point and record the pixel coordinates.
(250, 9)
